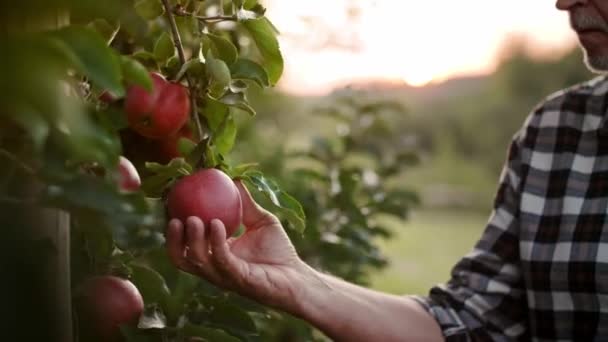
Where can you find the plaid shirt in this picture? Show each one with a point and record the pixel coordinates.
(540, 270)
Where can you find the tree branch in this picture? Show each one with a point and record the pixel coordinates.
(30, 170)
(177, 41)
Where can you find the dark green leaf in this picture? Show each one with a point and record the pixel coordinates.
(287, 206)
(193, 67)
(224, 49)
(164, 48)
(182, 293)
(163, 174)
(249, 70)
(225, 136)
(146, 58)
(135, 73)
(149, 9)
(88, 52)
(215, 112)
(219, 72)
(31, 122)
(263, 33)
(207, 334)
(151, 284)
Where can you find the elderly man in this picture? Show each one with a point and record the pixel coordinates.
(539, 271)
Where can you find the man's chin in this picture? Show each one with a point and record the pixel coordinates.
(597, 64)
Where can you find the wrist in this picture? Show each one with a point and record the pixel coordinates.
(311, 291)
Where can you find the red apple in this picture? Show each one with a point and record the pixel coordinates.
(103, 304)
(208, 194)
(159, 113)
(128, 177)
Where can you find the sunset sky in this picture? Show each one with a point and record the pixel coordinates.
(327, 43)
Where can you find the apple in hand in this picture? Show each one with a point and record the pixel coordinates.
(159, 113)
(208, 194)
(103, 304)
(128, 178)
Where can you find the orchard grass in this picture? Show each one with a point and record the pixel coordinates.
(425, 248)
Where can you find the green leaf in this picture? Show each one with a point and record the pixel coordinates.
(224, 49)
(31, 122)
(135, 73)
(219, 72)
(88, 52)
(150, 284)
(287, 206)
(232, 318)
(146, 58)
(225, 136)
(94, 196)
(247, 69)
(264, 36)
(214, 112)
(182, 293)
(105, 29)
(240, 170)
(194, 67)
(149, 9)
(237, 100)
(163, 175)
(185, 146)
(208, 334)
(164, 48)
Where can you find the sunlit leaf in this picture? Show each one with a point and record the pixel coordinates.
(264, 35)
(286, 205)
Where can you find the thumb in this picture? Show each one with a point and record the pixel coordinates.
(254, 216)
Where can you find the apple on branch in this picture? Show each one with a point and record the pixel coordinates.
(159, 113)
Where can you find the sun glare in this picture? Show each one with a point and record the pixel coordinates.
(418, 79)
(418, 42)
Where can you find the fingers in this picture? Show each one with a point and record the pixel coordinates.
(254, 216)
(196, 241)
(176, 247)
(198, 249)
(223, 259)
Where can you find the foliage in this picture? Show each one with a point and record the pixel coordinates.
(344, 180)
(59, 131)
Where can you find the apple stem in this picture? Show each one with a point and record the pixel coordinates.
(177, 41)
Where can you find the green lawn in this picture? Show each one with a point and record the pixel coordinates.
(425, 248)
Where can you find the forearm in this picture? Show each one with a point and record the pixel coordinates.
(346, 312)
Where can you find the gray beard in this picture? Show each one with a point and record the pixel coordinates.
(597, 64)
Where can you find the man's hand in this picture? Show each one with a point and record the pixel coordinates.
(261, 264)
